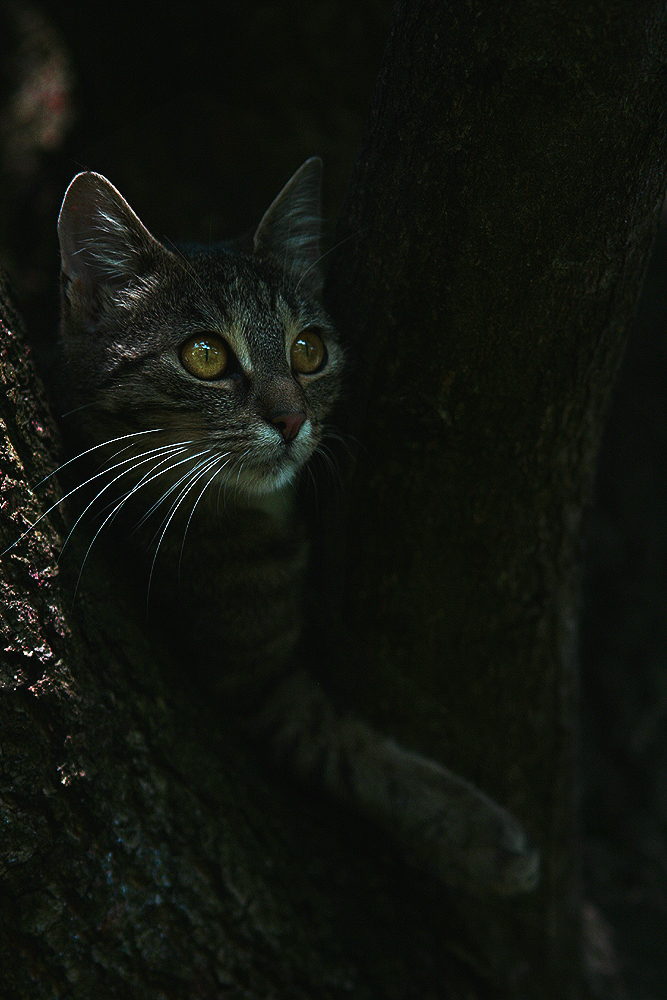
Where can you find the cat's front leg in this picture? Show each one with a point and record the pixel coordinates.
(463, 835)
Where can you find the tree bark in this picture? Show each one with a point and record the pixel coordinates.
(492, 247)
(496, 232)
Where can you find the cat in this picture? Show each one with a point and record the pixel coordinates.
(203, 379)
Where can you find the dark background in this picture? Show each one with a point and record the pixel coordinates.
(624, 656)
(198, 115)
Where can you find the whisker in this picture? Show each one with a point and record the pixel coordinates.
(77, 409)
(335, 434)
(80, 486)
(314, 482)
(123, 437)
(147, 477)
(326, 254)
(186, 478)
(177, 503)
(221, 486)
(111, 515)
(206, 485)
(174, 486)
(332, 466)
(188, 266)
(238, 472)
(140, 461)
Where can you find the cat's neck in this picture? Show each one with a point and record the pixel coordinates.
(278, 506)
(227, 527)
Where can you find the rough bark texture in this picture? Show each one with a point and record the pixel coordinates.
(501, 215)
(500, 218)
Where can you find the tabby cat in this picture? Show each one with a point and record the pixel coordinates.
(202, 379)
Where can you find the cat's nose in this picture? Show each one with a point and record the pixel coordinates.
(288, 424)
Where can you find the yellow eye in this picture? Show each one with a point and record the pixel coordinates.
(204, 356)
(307, 353)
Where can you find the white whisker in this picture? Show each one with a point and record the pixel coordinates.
(147, 477)
(177, 503)
(70, 493)
(347, 440)
(140, 460)
(174, 486)
(221, 486)
(186, 478)
(77, 409)
(238, 472)
(115, 510)
(314, 482)
(206, 485)
(188, 266)
(326, 254)
(123, 437)
(331, 464)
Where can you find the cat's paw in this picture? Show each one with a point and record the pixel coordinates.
(464, 836)
(484, 848)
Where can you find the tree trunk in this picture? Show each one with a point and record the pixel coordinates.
(493, 243)
(499, 222)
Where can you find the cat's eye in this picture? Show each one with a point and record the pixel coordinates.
(204, 356)
(308, 353)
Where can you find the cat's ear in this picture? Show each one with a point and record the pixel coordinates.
(102, 241)
(291, 227)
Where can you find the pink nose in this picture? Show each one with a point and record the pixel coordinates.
(288, 424)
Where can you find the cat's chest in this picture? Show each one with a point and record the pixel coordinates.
(231, 582)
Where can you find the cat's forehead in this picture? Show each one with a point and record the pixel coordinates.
(248, 302)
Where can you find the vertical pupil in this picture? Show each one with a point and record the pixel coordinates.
(307, 353)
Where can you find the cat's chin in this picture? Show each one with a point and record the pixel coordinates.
(263, 480)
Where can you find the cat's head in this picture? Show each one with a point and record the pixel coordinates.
(217, 361)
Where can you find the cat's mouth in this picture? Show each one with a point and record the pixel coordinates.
(257, 474)
(266, 463)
